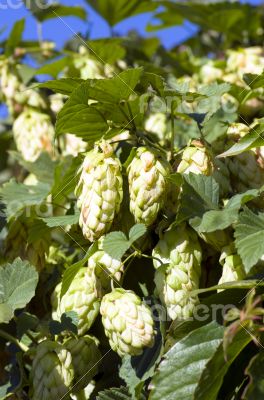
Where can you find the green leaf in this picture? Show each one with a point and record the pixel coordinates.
(79, 118)
(15, 37)
(251, 140)
(71, 271)
(214, 220)
(17, 196)
(18, 282)
(114, 11)
(213, 375)
(64, 86)
(43, 167)
(69, 323)
(249, 234)
(200, 193)
(255, 387)
(136, 232)
(62, 220)
(42, 10)
(179, 373)
(247, 284)
(116, 244)
(54, 69)
(117, 394)
(25, 322)
(108, 50)
(254, 81)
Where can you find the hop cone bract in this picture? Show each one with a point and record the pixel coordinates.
(147, 185)
(81, 297)
(196, 159)
(179, 249)
(233, 269)
(85, 359)
(52, 371)
(33, 134)
(127, 321)
(99, 192)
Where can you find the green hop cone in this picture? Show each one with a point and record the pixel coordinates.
(33, 134)
(147, 185)
(196, 159)
(233, 269)
(104, 268)
(52, 372)
(180, 253)
(99, 192)
(18, 244)
(81, 297)
(85, 359)
(245, 170)
(127, 321)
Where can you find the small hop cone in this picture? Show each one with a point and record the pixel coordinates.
(196, 159)
(147, 185)
(81, 297)
(245, 170)
(52, 372)
(85, 359)
(99, 192)
(104, 268)
(33, 134)
(179, 249)
(233, 269)
(127, 321)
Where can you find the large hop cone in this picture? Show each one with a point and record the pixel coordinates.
(52, 372)
(196, 159)
(81, 297)
(100, 191)
(33, 134)
(233, 269)
(104, 268)
(178, 271)
(85, 359)
(127, 321)
(147, 185)
(17, 244)
(245, 170)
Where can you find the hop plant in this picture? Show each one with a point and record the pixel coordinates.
(81, 297)
(100, 191)
(196, 159)
(52, 371)
(85, 359)
(147, 185)
(127, 321)
(104, 268)
(245, 170)
(233, 269)
(33, 133)
(180, 253)
(17, 244)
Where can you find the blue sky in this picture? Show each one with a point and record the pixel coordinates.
(58, 31)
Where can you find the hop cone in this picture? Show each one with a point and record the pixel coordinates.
(18, 244)
(233, 269)
(33, 133)
(99, 192)
(244, 168)
(179, 249)
(127, 321)
(85, 358)
(104, 268)
(52, 372)
(81, 297)
(196, 159)
(147, 185)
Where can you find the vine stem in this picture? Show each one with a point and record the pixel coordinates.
(12, 339)
(172, 132)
